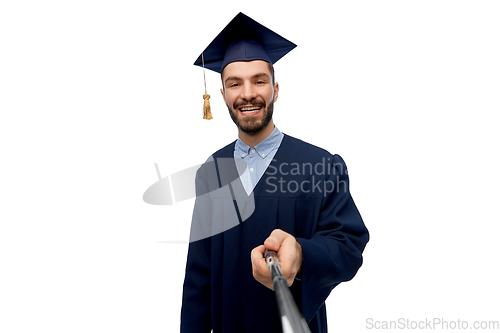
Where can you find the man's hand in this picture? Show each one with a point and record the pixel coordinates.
(289, 254)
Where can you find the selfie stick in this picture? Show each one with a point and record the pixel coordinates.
(292, 320)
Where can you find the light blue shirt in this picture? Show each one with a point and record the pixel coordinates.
(257, 158)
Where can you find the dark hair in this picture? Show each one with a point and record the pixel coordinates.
(271, 69)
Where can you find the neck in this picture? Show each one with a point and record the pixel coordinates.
(254, 139)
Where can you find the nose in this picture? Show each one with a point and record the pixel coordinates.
(248, 92)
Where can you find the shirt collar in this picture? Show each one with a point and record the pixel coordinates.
(264, 148)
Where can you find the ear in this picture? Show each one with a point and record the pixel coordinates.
(276, 91)
(223, 95)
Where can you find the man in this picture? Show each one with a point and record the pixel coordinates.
(291, 197)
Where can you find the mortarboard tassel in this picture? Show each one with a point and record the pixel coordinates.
(207, 113)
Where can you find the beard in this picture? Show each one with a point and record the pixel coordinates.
(251, 125)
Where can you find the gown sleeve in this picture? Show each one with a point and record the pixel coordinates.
(196, 297)
(334, 252)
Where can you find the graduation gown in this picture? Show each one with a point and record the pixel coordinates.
(305, 192)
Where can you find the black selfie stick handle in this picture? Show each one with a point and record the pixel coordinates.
(292, 320)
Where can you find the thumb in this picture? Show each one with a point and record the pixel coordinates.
(273, 242)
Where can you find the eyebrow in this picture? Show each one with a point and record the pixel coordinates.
(236, 78)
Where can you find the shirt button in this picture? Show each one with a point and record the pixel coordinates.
(243, 155)
(251, 169)
(253, 150)
(263, 155)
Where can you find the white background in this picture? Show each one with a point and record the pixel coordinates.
(93, 93)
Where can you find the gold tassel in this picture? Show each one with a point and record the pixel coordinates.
(207, 113)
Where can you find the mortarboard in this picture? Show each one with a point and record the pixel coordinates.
(243, 39)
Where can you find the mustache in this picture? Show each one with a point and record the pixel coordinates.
(253, 101)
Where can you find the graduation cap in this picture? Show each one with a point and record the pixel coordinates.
(243, 39)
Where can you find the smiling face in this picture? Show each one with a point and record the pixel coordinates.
(249, 94)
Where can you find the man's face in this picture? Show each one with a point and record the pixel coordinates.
(249, 94)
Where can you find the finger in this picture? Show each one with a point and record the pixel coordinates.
(290, 256)
(258, 253)
(273, 242)
(258, 262)
(259, 267)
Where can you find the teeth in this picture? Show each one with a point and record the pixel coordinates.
(249, 109)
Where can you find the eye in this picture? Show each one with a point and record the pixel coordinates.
(261, 82)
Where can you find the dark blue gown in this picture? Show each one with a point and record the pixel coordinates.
(305, 192)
